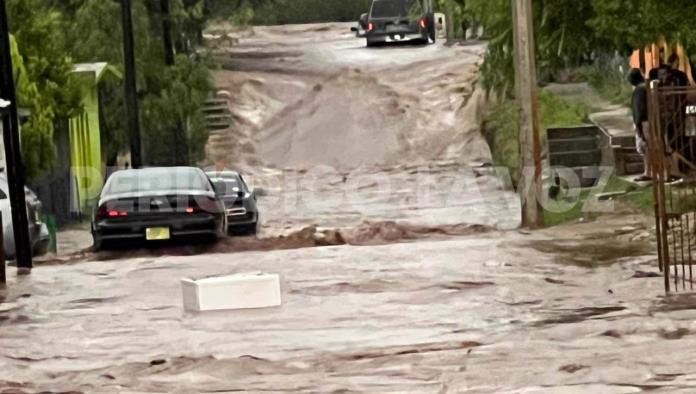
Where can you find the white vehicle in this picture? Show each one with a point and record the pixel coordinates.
(38, 232)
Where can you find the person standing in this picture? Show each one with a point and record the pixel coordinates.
(672, 114)
(639, 109)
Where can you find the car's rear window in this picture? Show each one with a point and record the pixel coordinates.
(396, 8)
(156, 180)
(228, 185)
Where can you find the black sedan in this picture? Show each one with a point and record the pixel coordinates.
(158, 204)
(240, 201)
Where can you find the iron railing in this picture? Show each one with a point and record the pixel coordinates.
(672, 148)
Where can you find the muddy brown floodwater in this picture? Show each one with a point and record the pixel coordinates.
(416, 280)
(478, 313)
(339, 133)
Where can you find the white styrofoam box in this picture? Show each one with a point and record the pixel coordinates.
(240, 291)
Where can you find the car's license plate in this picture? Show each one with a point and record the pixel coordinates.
(157, 234)
(394, 28)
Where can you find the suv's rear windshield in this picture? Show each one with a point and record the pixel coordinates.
(155, 180)
(396, 8)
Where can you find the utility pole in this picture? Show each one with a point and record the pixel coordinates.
(137, 153)
(13, 152)
(526, 93)
(449, 22)
(3, 263)
(167, 33)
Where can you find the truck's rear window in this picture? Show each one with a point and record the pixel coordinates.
(396, 8)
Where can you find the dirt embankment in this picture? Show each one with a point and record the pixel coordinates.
(321, 98)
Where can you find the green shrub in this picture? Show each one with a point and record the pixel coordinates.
(554, 111)
(609, 82)
(278, 12)
(501, 126)
(501, 130)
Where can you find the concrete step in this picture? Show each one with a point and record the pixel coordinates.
(573, 144)
(218, 126)
(218, 118)
(573, 133)
(628, 141)
(216, 102)
(634, 168)
(587, 176)
(219, 109)
(635, 158)
(629, 155)
(580, 158)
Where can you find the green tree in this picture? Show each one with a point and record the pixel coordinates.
(178, 104)
(45, 85)
(571, 33)
(94, 34)
(629, 24)
(272, 12)
(562, 38)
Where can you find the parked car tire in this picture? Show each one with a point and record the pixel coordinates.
(41, 248)
(98, 243)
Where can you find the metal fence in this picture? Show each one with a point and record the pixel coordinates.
(672, 151)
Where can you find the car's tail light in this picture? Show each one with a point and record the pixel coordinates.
(370, 26)
(423, 23)
(105, 212)
(203, 205)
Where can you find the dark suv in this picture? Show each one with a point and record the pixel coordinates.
(398, 20)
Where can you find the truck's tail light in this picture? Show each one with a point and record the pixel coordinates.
(423, 23)
(370, 26)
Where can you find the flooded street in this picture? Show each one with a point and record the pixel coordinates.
(496, 312)
(430, 288)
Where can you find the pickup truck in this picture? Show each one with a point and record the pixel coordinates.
(397, 21)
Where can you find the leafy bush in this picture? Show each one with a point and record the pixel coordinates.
(44, 83)
(501, 129)
(501, 126)
(272, 12)
(169, 96)
(311, 11)
(609, 80)
(554, 111)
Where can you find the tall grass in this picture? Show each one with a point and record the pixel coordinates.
(608, 76)
(501, 126)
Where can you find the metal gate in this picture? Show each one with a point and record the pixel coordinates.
(672, 149)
